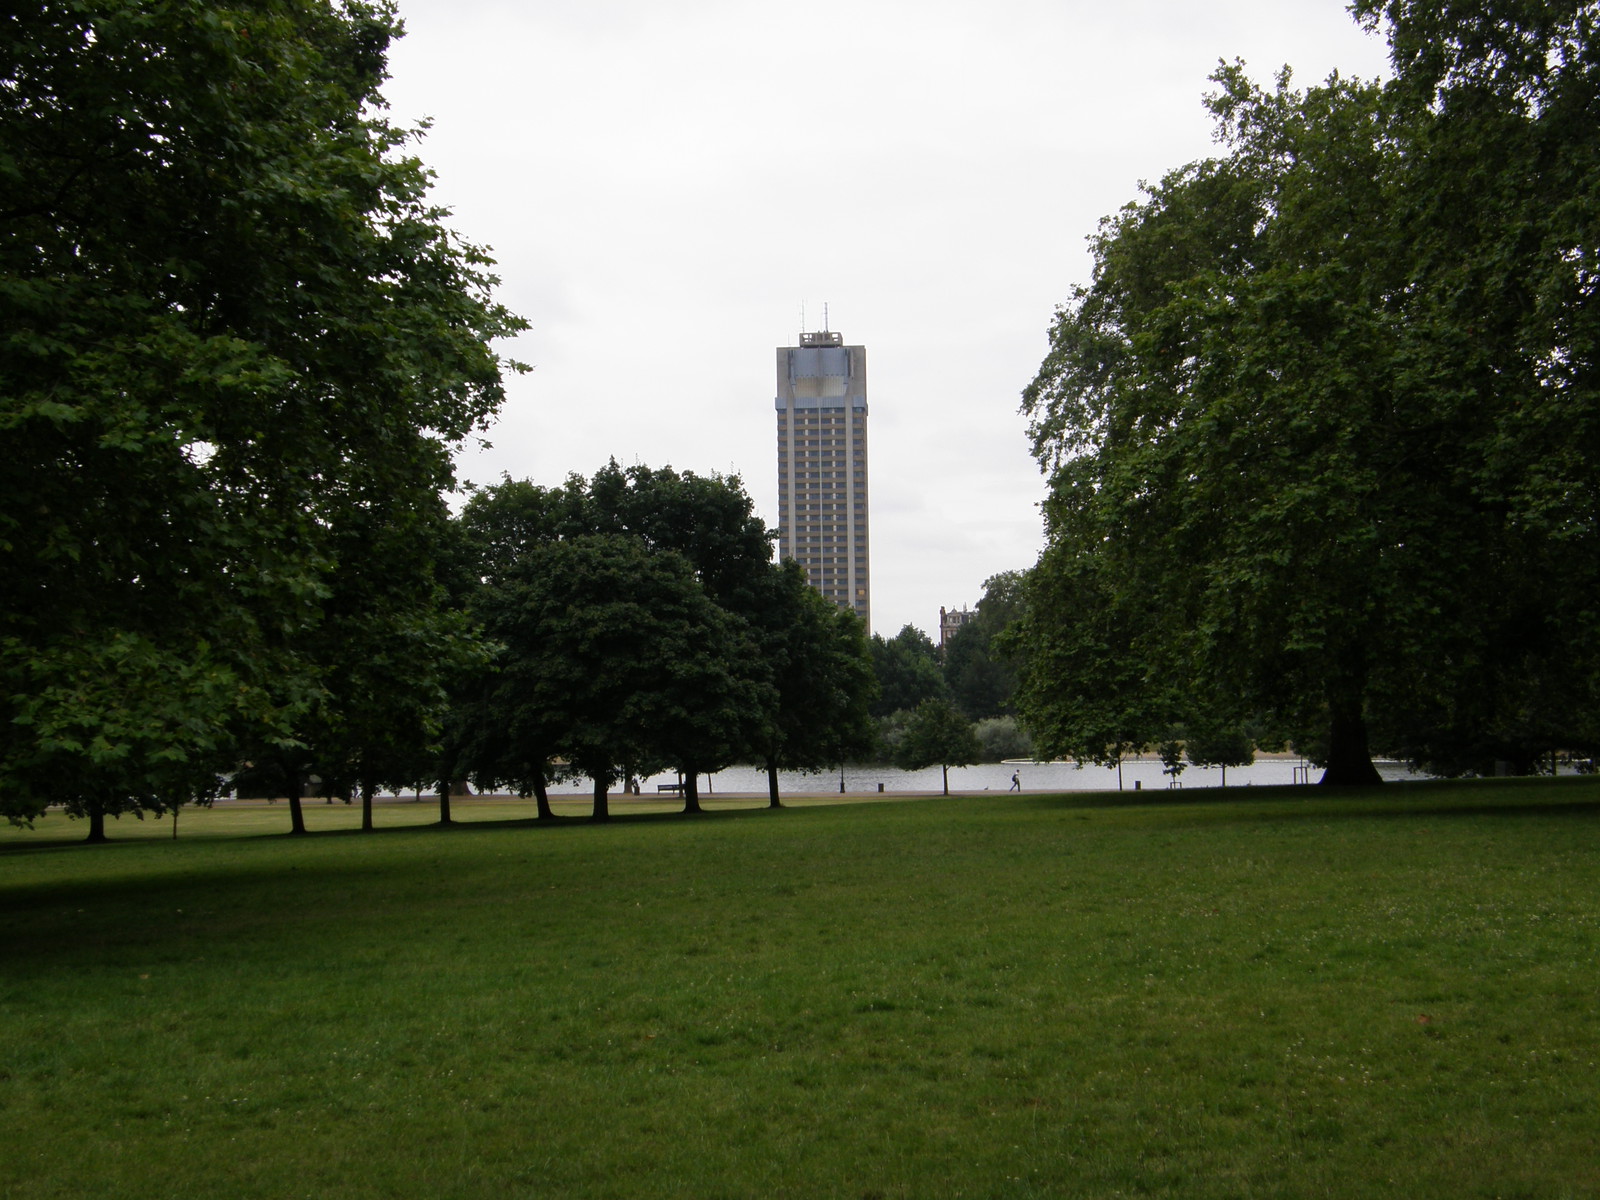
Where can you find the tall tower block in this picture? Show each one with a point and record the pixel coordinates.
(822, 466)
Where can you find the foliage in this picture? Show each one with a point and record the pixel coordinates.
(1321, 400)
(1084, 691)
(1002, 738)
(980, 676)
(624, 660)
(639, 623)
(233, 326)
(1501, 338)
(937, 734)
(708, 519)
(907, 670)
(1230, 747)
(822, 672)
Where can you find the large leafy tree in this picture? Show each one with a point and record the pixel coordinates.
(937, 734)
(503, 728)
(1501, 220)
(1214, 412)
(386, 660)
(625, 614)
(232, 325)
(907, 670)
(613, 657)
(1302, 424)
(1086, 690)
(822, 673)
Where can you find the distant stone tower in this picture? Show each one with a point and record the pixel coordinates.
(822, 466)
(950, 621)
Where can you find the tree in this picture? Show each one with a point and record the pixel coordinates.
(1271, 524)
(907, 670)
(611, 651)
(501, 731)
(822, 670)
(388, 659)
(1501, 336)
(1002, 738)
(233, 324)
(1227, 747)
(709, 519)
(1086, 690)
(980, 676)
(617, 661)
(938, 733)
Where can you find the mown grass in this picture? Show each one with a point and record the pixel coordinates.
(1280, 994)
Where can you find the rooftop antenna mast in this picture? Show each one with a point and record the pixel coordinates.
(802, 316)
(824, 316)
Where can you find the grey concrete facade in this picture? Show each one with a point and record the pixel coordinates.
(822, 467)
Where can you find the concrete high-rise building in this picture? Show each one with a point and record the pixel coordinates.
(822, 466)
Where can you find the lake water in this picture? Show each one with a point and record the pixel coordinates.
(1145, 773)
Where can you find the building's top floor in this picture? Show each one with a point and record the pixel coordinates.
(951, 620)
(822, 373)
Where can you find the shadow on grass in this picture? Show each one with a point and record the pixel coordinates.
(1566, 796)
(1579, 796)
(228, 883)
(75, 839)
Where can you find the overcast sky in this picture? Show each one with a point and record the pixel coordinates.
(665, 186)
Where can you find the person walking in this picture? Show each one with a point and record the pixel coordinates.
(1016, 781)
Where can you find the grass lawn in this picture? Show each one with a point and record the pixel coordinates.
(1280, 993)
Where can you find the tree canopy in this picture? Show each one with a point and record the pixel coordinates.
(907, 669)
(639, 622)
(937, 734)
(822, 672)
(234, 325)
(980, 675)
(1316, 418)
(614, 658)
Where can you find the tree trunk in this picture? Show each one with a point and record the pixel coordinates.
(772, 784)
(1349, 757)
(444, 802)
(691, 792)
(541, 797)
(946, 772)
(97, 823)
(297, 812)
(366, 805)
(602, 808)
